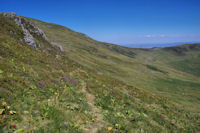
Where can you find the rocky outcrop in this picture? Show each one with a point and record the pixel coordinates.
(59, 46)
(28, 37)
(37, 31)
(29, 29)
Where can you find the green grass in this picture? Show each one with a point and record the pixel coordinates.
(42, 93)
(142, 68)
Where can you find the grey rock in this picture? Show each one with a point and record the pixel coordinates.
(66, 123)
(8, 14)
(58, 45)
(11, 32)
(37, 112)
(4, 129)
(28, 38)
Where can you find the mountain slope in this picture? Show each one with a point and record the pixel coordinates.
(172, 72)
(43, 90)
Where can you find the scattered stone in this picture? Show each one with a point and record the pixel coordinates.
(37, 112)
(99, 73)
(4, 129)
(58, 45)
(66, 123)
(11, 32)
(57, 56)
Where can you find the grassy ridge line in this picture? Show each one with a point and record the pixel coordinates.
(38, 94)
(172, 72)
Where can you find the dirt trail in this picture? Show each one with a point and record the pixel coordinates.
(96, 125)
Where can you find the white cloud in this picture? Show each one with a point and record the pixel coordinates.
(162, 35)
(149, 36)
(152, 36)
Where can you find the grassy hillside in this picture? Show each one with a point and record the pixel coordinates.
(172, 72)
(46, 90)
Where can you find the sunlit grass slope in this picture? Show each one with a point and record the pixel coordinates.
(172, 72)
(44, 90)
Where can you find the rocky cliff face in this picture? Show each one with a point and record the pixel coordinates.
(29, 30)
(27, 27)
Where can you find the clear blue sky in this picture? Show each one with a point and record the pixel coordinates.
(118, 21)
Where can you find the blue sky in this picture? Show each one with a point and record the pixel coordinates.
(118, 21)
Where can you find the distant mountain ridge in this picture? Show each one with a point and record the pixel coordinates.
(161, 45)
